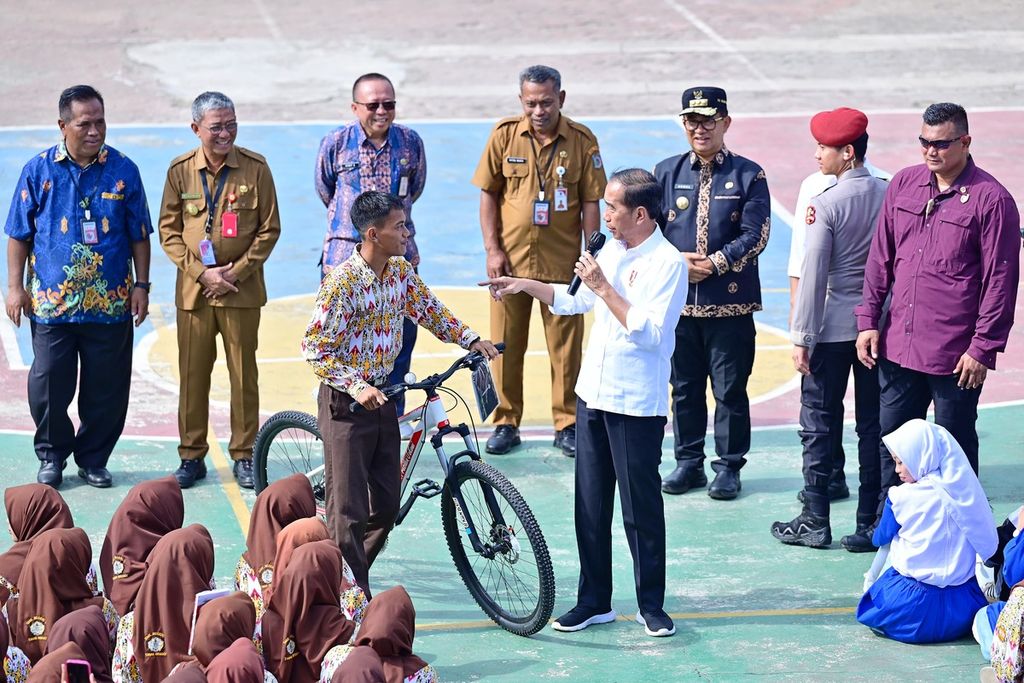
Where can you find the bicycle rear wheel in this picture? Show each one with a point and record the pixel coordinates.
(516, 585)
(289, 443)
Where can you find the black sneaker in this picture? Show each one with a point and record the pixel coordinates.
(190, 472)
(807, 529)
(860, 540)
(656, 624)
(566, 440)
(503, 439)
(578, 618)
(242, 469)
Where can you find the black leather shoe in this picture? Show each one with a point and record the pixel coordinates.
(95, 476)
(242, 470)
(683, 478)
(726, 485)
(190, 472)
(837, 490)
(860, 540)
(503, 439)
(566, 440)
(51, 473)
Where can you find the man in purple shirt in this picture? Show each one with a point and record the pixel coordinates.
(371, 153)
(946, 251)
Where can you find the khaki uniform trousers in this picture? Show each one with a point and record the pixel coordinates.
(510, 322)
(197, 351)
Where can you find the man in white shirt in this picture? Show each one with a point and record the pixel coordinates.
(637, 286)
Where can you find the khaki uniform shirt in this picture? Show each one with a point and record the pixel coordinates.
(509, 166)
(183, 213)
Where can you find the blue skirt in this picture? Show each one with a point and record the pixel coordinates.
(910, 611)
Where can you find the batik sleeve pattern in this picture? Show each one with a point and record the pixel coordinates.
(124, 668)
(332, 660)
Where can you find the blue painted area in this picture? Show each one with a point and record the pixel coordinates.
(446, 215)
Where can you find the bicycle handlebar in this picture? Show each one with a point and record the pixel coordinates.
(470, 360)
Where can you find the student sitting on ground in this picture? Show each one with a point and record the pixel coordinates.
(937, 522)
(1011, 573)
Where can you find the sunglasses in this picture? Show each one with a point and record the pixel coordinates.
(388, 105)
(938, 144)
(707, 124)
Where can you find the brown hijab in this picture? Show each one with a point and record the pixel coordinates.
(189, 674)
(150, 510)
(296, 534)
(87, 628)
(31, 510)
(303, 620)
(220, 623)
(276, 507)
(239, 663)
(389, 627)
(180, 566)
(362, 665)
(52, 584)
(49, 668)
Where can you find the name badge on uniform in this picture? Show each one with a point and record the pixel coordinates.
(229, 224)
(516, 160)
(561, 199)
(206, 253)
(403, 186)
(89, 233)
(351, 166)
(541, 213)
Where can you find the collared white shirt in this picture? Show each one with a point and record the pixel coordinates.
(626, 369)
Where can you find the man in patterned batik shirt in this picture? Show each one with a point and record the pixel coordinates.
(79, 220)
(351, 343)
(718, 214)
(371, 153)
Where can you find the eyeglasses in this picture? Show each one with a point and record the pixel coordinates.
(218, 129)
(939, 145)
(707, 124)
(389, 105)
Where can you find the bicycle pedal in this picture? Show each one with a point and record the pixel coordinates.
(426, 488)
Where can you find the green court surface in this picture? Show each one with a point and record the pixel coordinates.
(746, 607)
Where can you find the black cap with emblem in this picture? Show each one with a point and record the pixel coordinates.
(705, 101)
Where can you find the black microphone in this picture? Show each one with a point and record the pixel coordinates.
(594, 245)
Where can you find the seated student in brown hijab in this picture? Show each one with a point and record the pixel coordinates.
(149, 511)
(31, 510)
(88, 630)
(239, 663)
(153, 638)
(362, 665)
(352, 599)
(303, 628)
(15, 665)
(389, 627)
(277, 506)
(50, 668)
(220, 623)
(53, 584)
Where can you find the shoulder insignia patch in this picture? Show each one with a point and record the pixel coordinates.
(156, 646)
(809, 218)
(597, 161)
(37, 628)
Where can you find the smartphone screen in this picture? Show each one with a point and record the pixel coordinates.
(77, 671)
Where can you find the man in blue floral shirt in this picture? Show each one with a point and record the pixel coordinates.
(79, 220)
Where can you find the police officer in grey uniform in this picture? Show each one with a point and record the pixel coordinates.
(718, 215)
(840, 226)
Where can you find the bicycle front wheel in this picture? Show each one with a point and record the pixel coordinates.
(289, 443)
(513, 581)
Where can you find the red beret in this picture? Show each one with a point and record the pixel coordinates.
(838, 127)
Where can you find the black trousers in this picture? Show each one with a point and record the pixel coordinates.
(105, 352)
(721, 349)
(611, 448)
(821, 415)
(906, 394)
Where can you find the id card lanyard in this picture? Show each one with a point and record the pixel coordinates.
(206, 244)
(542, 207)
(90, 235)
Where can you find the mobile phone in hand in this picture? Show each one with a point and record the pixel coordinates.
(77, 671)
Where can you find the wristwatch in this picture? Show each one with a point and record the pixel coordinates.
(143, 285)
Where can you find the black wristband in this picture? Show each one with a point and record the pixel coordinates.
(144, 285)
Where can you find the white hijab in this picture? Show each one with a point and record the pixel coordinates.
(944, 517)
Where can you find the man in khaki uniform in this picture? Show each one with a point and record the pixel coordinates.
(541, 177)
(218, 224)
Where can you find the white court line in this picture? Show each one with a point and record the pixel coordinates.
(183, 124)
(9, 340)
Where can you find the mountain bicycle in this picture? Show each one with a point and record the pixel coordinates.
(494, 539)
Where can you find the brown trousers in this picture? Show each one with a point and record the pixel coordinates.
(361, 463)
(510, 322)
(197, 351)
